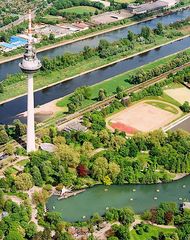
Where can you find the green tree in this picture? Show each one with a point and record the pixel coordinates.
(4, 138)
(1, 88)
(20, 129)
(126, 216)
(23, 181)
(114, 170)
(37, 177)
(159, 29)
(185, 107)
(51, 37)
(68, 156)
(145, 32)
(9, 149)
(100, 168)
(14, 235)
(101, 95)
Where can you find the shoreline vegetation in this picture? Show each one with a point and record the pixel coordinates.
(75, 192)
(56, 76)
(107, 28)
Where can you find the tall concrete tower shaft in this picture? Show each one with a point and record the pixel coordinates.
(30, 64)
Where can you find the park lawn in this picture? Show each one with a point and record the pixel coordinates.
(44, 79)
(80, 10)
(154, 231)
(163, 106)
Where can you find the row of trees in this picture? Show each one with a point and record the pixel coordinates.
(142, 76)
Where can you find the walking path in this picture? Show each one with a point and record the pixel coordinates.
(138, 221)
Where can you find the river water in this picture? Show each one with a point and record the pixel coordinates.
(10, 110)
(12, 67)
(96, 199)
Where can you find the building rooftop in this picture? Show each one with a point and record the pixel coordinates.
(14, 42)
(147, 7)
(48, 147)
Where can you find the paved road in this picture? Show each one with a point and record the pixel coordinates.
(21, 19)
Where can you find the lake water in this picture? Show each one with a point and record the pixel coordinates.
(96, 199)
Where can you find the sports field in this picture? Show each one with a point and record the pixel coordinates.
(141, 117)
(181, 94)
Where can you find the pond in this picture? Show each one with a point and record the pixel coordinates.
(137, 197)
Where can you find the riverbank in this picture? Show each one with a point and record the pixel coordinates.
(90, 35)
(18, 89)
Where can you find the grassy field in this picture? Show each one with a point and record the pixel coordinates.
(154, 231)
(163, 106)
(45, 79)
(80, 10)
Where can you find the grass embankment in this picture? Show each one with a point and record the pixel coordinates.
(111, 84)
(163, 106)
(45, 79)
(153, 232)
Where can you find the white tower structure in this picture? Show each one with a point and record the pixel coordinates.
(30, 64)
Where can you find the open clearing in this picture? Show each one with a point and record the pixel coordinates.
(181, 94)
(143, 117)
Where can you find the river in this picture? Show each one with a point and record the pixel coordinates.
(96, 199)
(10, 110)
(12, 66)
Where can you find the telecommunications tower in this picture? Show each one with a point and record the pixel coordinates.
(30, 64)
